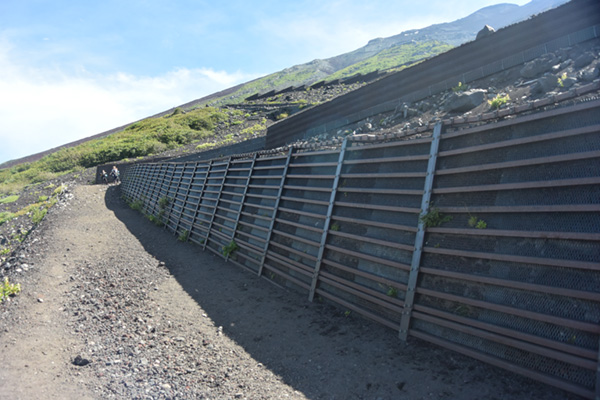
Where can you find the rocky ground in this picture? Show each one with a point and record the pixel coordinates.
(113, 307)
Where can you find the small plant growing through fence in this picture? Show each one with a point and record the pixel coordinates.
(498, 101)
(184, 236)
(9, 289)
(474, 222)
(136, 205)
(434, 218)
(164, 202)
(335, 227)
(392, 292)
(228, 250)
(156, 220)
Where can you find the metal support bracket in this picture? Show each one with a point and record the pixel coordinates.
(212, 219)
(420, 236)
(275, 207)
(336, 181)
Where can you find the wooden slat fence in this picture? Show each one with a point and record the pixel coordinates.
(483, 240)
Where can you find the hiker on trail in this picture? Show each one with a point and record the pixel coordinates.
(104, 177)
(115, 174)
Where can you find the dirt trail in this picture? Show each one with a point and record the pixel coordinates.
(160, 319)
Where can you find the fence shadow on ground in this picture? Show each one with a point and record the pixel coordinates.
(318, 349)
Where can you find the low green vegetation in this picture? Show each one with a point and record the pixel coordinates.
(146, 137)
(561, 79)
(499, 101)
(9, 199)
(184, 236)
(9, 289)
(156, 220)
(38, 214)
(434, 218)
(255, 129)
(229, 249)
(137, 205)
(6, 216)
(474, 222)
(394, 59)
(461, 87)
(36, 211)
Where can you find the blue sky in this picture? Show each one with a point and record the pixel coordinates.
(70, 69)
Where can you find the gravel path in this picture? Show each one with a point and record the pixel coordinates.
(115, 308)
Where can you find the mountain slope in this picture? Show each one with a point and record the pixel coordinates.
(377, 54)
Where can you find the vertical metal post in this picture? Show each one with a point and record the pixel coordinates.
(156, 188)
(187, 193)
(336, 181)
(212, 219)
(162, 182)
(200, 196)
(239, 213)
(420, 236)
(275, 207)
(173, 199)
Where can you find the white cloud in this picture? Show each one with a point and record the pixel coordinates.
(42, 108)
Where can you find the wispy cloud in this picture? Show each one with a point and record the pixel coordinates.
(41, 108)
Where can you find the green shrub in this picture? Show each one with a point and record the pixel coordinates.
(474, 222)
(561, 79)
(137, 205)
(206, 146)
(38, 214)
(8, 289)
(156, 220)
(184, 235)
(6, 216)
(42, 198)
(460, 88)
(164, 202)
(498, 101)
(434, 218)
(254, 130)
(229, 249)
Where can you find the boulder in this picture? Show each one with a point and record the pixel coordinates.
(589, 73)
(486, 31)
(538, 66)
(584, 60)
(568, 82)
(545, 84)
(465, 101)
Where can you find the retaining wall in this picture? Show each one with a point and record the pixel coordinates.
(507, 273)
